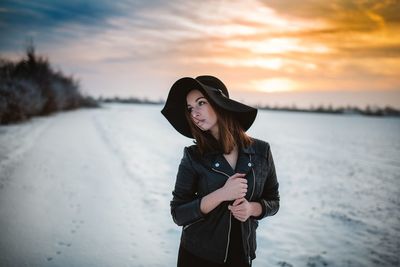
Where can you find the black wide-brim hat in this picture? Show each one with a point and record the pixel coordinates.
(213, 89)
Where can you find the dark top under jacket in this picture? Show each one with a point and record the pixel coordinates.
(236, 257)
(208, 236)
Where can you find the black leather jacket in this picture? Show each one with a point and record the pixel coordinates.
(207, 236)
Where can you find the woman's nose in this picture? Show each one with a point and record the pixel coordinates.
(195, 113)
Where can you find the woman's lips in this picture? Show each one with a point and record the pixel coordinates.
(198, 122)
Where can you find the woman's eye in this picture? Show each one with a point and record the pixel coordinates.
(189, 110)
(201, 103)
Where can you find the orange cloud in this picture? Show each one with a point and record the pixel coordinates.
(344, 45)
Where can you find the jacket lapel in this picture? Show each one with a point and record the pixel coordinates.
(216, 161)
(245, 162)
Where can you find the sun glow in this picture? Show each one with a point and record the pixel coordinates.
(278, 46)
(275, 85)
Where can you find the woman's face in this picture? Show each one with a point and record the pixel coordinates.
(201, 112)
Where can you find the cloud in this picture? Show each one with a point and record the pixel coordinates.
(48, 20)
(288, 45)
(362, 15)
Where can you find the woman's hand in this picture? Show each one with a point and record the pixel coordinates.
(235, 187)
(242, 209)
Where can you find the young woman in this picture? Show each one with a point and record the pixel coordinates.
(226, 181)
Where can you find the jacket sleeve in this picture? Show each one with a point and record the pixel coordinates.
(270, 196)
(185, 204)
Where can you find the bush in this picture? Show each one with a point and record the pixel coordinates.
(19, 100)
(31, 87)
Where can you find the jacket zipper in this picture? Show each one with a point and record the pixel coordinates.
(251, 195)
(230, 222)
(190, 224)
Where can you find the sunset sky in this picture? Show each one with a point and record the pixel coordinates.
(276, 52)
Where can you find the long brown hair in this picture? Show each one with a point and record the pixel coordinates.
(230, 132)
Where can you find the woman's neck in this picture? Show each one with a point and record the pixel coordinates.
(234, 150)
(215, 132)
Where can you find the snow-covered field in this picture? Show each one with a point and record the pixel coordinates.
(92, 188)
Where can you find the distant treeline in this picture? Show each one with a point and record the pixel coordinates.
(31, 87)
(369, 111)
(129, 100)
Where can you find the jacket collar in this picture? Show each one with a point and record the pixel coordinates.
(246, 150)
(216, 161)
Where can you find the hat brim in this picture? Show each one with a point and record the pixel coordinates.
(174, 109)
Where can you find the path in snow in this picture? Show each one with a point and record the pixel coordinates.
(68, 199)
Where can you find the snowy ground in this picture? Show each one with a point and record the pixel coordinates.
(92, 188)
